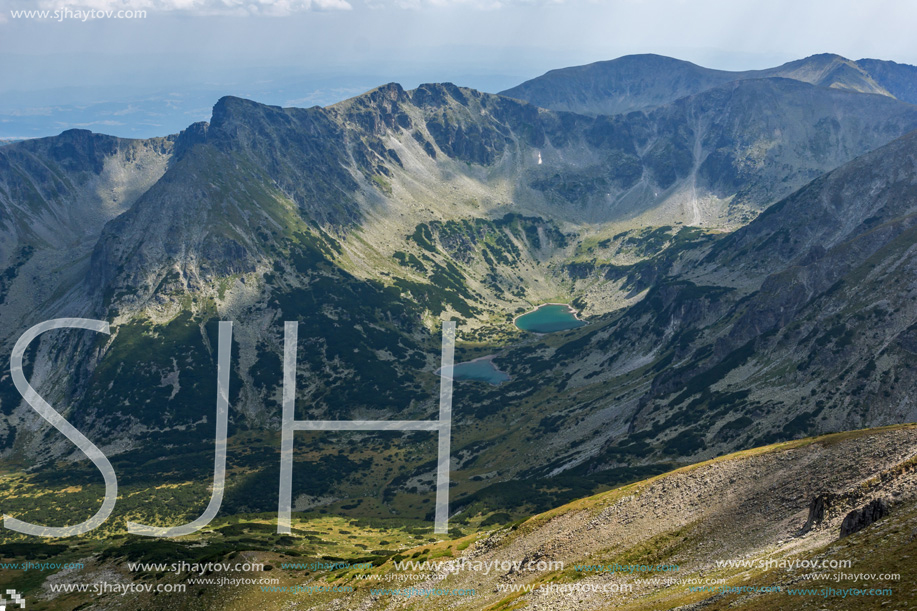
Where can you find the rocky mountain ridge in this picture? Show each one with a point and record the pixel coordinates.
(372, 220)
(641, 82)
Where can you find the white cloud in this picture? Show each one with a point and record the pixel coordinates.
(285, 7)
(485, 5)
(277, 8)
(126, 111)
(90, 124)
(332, 5)
(43, 111)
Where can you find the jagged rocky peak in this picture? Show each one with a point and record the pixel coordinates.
(196, 133)
(389, 107)
(74, 149)
(440, 94)
(378, 110)
(243, 122)
(231, 108)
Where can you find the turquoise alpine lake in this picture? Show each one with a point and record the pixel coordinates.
(549, 318)
(479, 370)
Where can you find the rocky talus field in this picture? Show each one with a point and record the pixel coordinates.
(747, 527)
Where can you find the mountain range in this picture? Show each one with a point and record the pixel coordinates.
(641, 82)
(740, 245)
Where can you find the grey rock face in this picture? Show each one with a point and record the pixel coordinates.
(818, 511)
(858, 519)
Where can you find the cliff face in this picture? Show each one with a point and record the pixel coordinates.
(56, 194)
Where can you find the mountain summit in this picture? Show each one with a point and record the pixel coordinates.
(640, 82)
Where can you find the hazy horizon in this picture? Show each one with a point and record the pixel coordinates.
(156, 75)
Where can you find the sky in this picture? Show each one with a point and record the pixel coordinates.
(154, 75)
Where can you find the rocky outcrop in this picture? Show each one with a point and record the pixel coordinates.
(858, 519)
(818, 511)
